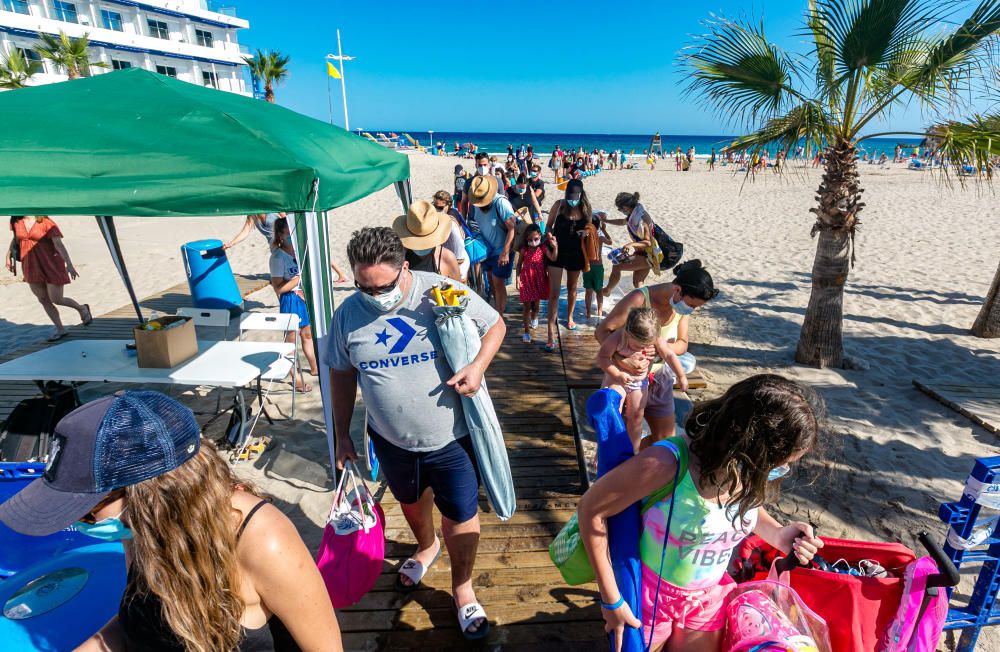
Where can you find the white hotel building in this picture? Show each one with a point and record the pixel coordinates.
(179, 38)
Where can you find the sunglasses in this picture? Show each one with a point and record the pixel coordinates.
(376, 291)
(89, 517)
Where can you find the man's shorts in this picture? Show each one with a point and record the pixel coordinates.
(493, 266)
(450, 472)
(594, 279)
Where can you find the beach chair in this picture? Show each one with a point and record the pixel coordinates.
(283, 323)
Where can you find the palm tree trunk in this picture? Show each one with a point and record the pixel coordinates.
(988, 322)
(268, 91)
(821, 342)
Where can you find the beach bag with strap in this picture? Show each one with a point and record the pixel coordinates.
(352, 551)
(672, 250)
(15, 253)
(567, 551)
(921, 615)
(475, 245)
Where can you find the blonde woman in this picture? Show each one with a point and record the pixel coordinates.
(212, 567)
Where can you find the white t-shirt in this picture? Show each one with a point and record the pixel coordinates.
(284, 266)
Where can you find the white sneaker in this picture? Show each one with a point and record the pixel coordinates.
(534, 323)
(526, 338)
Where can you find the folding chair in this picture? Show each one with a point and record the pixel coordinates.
(283, 323)
(204, 318)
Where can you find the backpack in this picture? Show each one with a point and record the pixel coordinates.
(26, 432)
(921, 615)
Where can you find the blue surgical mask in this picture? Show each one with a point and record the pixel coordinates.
(422, 252)
(573, 203)
(778, 472)
(520, 190)
(532, 174)
(107, 529)
(385, 302)
(681, 308)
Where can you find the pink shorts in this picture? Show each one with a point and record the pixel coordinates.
(701, 610)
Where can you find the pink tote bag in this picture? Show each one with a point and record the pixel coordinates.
(352, 552)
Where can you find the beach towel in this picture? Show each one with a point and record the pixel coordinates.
(460, 339)
(590, 245)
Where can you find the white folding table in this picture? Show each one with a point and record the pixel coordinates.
(230, 365)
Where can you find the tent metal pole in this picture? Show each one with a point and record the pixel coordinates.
(107, 225)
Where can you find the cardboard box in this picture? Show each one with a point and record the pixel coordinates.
(167, 348)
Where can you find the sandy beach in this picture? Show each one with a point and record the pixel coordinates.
(926, 255)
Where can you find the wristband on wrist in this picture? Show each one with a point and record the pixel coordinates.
(612, 607)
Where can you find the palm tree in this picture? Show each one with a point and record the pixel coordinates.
(866, 58)
(271, 67)
(68, 53)
(16, 70)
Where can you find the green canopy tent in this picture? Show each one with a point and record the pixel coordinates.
(135, 143)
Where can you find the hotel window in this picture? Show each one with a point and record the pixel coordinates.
(204, 38)
(17, 6)
(112, 20)
(158, 29)
(31, 55)
(64, 11)
(210, 79)
(118, 64)
(169, 71)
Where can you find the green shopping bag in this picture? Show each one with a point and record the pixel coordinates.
(567, 551)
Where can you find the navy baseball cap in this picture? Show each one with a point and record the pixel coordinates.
(113, 442)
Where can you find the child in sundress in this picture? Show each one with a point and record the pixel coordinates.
(634, 343)
(532, 277)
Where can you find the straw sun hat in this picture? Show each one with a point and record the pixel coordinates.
(483, 190)
(423, 226)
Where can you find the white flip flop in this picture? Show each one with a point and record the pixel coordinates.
(415, 571)
(468, 615)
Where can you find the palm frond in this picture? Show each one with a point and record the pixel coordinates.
(16, 70)
(807, 123)
(955, 60)
(866, 34)
(735, 70)
(826, 76)
(969, 147)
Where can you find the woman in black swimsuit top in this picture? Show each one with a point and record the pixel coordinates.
(212, 566)
(567, 219)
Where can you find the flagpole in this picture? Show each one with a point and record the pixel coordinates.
(329, 98)
(343, 87)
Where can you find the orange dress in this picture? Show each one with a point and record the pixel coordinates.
(40, 262)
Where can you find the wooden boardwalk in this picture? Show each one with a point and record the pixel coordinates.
(529, 605)
(981, 403)
(116, 324)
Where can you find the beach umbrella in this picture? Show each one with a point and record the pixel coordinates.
(460, 339)
(136, 143)
(614, 447)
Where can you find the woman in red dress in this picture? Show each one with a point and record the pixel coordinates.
(46, 267)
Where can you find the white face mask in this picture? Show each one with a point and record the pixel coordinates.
(483, 169)
(385, 302)
(681, 308)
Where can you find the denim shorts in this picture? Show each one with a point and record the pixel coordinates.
(493, 266)
(450, 472)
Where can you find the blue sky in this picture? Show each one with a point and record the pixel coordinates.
(506, 66)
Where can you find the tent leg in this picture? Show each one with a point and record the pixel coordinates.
(107, 225)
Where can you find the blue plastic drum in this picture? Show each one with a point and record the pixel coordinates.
(210, 277)
(55, 591)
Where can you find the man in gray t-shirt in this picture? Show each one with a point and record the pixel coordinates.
(383, 338)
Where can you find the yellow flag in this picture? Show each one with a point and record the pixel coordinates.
(332, 70)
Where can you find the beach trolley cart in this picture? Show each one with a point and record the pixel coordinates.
(874, 597)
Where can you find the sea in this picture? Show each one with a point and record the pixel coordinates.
(497, 142)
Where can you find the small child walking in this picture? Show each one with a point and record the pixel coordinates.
(532, 278)
(593, 279)
(632, 343)
(727, 465)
